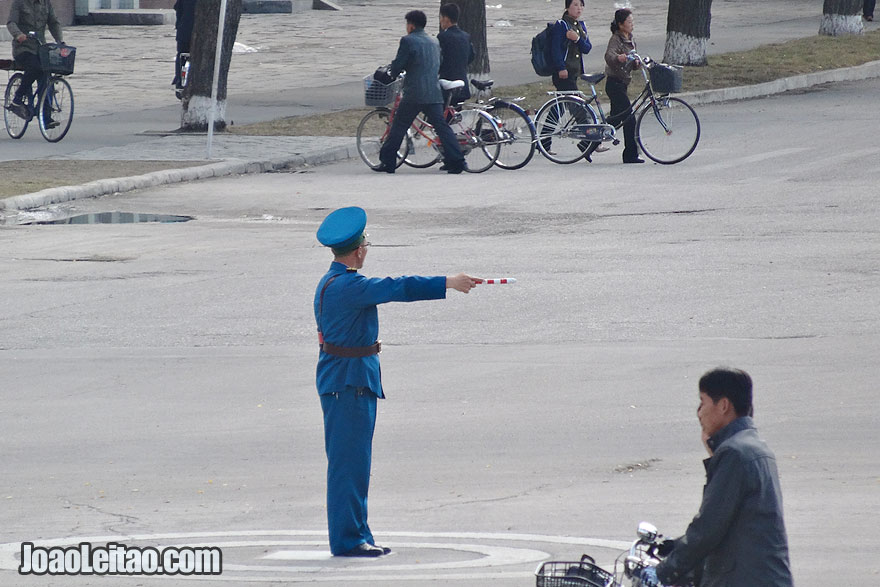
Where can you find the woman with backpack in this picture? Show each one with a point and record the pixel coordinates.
(568, 45)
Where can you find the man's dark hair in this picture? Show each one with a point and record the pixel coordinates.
(568, 2)
(734, 384)
(416, 18)
(450, 11)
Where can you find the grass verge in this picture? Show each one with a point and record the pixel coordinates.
(763, 64)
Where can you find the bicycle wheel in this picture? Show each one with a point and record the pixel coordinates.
(668, 132)
(55, 109)
(556, 124)
(479, 138)
(423, 143)
(518, 136)
(371, 133)
(15, 124)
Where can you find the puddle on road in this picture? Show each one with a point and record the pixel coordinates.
(116, 218)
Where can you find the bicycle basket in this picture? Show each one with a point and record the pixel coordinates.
(572, 574)
(378, 94)
(665, 79)
(57, 58)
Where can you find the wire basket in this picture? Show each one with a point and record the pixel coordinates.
(582, 573)
(57, 58)
(665, 79)
(378, 94)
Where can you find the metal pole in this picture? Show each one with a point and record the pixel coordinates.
(219, 50)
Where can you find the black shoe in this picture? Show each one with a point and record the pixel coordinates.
(20, 110)
(366, 550)
(636, 160)
(444, 167)
(456, 169)
(382, 168)
(52, 124)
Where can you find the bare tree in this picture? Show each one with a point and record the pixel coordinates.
(687, 31)
(472, 20)
(197, 95)
(841, 17)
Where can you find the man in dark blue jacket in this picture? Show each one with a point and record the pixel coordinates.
(419, 55)
(348, 376)
(456, 50)
(738, 537)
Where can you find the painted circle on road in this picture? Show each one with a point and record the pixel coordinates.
(301, 556)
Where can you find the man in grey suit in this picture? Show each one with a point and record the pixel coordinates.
(738, 537)
(419, 55)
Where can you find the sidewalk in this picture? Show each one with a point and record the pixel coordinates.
(103, 90)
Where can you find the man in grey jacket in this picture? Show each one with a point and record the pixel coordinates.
(419, 55)
(31, 16)
(738, 537)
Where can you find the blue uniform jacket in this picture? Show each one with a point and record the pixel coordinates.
(349, 318)
(560, 45)
(419, 55)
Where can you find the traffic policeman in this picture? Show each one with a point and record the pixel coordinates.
(348, 377)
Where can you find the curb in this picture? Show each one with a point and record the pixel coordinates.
(102, 187)
(797, 82)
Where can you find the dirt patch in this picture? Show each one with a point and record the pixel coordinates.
(24, 177)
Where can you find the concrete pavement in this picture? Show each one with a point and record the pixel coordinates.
(123, 97)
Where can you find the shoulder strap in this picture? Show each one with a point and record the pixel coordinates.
(321, 302)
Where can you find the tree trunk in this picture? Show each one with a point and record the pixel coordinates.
(687, 32)
(197, 94)
(472, 20)
(841, 17)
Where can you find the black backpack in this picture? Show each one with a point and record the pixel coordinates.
(542, 60)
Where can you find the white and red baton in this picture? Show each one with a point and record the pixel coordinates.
(499, 280)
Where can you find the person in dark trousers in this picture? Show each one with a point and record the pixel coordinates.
(185, 12)
(738, 537)
(348, 375)
(868, 10)
(618, 73)
(31, 16)
(569, 43)
(456, 50)
(419, 55)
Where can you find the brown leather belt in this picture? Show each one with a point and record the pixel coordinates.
(352, 352)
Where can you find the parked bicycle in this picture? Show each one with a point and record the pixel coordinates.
(667, 128)
(641, 554)
(518, 134)
(53, 107)
(477, 132)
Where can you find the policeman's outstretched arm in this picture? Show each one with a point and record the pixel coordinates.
(462, 282)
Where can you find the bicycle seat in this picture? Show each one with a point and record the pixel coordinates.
(451, 84)
(482, 85)
(593, 78)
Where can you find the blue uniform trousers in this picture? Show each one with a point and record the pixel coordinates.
(349, 421)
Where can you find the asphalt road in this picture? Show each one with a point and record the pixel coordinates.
(158, 380)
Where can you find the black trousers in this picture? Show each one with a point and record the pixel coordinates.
(33, 72)
(403, 118)
(621, 108)
(868, 9)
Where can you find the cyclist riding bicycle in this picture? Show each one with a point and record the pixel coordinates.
(26, 17)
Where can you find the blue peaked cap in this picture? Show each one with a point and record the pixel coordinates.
(343, 228)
